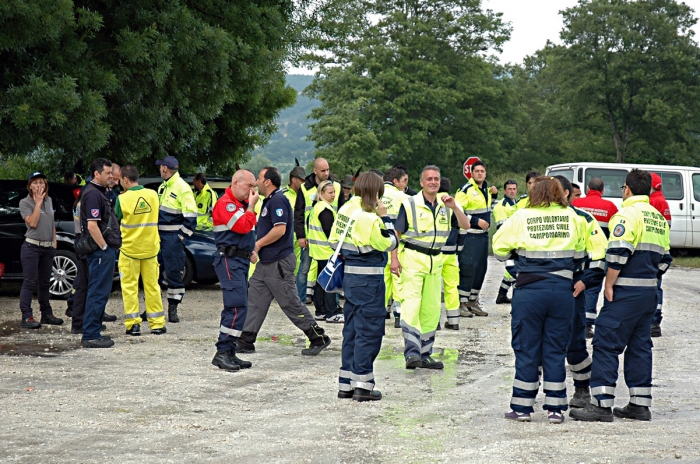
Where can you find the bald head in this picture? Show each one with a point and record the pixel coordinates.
(321, 170)
(242, 183)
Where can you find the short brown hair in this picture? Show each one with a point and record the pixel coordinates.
(31, 181)
(369, 187)
(546, 192)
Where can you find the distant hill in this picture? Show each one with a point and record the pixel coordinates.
(290, 140)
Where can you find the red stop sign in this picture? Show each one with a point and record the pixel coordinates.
(467, 169)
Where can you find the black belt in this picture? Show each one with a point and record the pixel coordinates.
(420, 249)
(233, 252)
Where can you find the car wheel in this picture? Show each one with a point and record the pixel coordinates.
(186, 277)
(63, 273)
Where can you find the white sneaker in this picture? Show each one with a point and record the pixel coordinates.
(337, 319)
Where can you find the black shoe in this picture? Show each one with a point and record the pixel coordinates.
(388, 315)
(103, 342)
(502, 299)
(592, 413)
(76, 331)
(223, 361)
(160, 331)
(244, 349)
(430, 363)
(589, 331)
(397, 322)
(109, 317)
(345, 394)
(633, 411)
(172, 313)
(361, 394)
(103, 327)
(451, 326)
(135, 330)
(143, 316)
(30, 323)
(240, 362)
(412, 362)
(313, 350)
(50, 319)
(69, 312)
(581, 398)
(655, 330)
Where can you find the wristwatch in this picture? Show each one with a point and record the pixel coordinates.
(104, 247)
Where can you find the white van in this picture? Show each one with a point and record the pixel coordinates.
(681, 187)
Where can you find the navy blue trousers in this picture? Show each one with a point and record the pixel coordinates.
(624, 325)
(473, 261)
(100, 275)
(577, 353)
(541, 327)
(233, 276)
(363, 331)
(591, 309)
(658, 315)
(172, 256)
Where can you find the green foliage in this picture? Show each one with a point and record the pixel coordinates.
(405, 81)
(135, 81)
(290, 141)
(623, 87)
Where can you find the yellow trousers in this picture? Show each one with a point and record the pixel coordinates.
(311, 278)
(450, 280)
(129, 270)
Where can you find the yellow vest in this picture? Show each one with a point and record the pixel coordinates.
(319, 246)
(427, 233)
(393, 199)
(310, 197)
(139, 224)
(205, 204)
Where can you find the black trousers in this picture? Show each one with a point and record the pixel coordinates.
(325, 303)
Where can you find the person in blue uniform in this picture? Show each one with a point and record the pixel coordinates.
(234, 221)
(637, 255)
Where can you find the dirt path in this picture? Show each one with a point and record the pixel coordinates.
(158, 399)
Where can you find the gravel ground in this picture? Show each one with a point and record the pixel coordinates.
(159, 399)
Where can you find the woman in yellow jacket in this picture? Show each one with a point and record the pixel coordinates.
(320, 224)
(370, 237)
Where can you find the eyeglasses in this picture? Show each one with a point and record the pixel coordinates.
(623, 187)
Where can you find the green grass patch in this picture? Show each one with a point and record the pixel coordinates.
(686, 261)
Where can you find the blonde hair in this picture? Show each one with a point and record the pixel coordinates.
(322, 187)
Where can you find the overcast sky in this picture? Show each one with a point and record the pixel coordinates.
(533, 22)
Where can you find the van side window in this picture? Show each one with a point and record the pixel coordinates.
(568, 173)
(672, 185)
(613, 179)
(696, 186)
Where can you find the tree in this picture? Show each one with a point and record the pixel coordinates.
(406, 81)
(631, 69)
(198, 79)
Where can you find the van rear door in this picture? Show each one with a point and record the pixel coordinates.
(673, 187)
(694, 208)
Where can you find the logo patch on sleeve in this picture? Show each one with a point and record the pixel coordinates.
(279, 212)
(95, 212)
(619, 230)
(264, 212)
(230, 207)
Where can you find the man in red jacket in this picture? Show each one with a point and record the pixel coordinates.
(602, 210)
(658, 201)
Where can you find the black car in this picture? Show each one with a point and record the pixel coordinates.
(13, 228)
